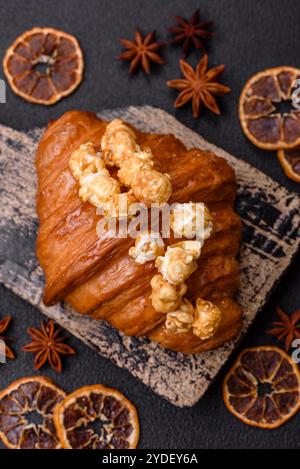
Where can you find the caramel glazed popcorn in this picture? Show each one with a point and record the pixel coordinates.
(136, 172)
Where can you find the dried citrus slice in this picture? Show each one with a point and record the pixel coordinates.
(26, 414)
(97, 417)
(263, 387)
(261, 120)
(44, 65)
(290, 162)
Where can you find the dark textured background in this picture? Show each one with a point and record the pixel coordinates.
(250, 36)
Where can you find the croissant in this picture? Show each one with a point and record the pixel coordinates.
(96, 274)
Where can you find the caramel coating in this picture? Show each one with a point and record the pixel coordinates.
(207, 319)
(191, 219)
(179, 262)
(131, 167)
(119, 206)
(118, 143)
(148, 246)
(135, 165)
(85, 160)
(98, 188)
(182, 319)
(166, 297)
(96, 184)
(150, 186)
(119, 148)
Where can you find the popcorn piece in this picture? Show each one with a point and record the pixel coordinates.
(190, 220)
(150, 186)
(136, 171)
(119, 206)
(85, 160)
(119, 148)
(166, 297)
(98, 188)
(145, 155)
(148, 246)
(207, 319)
(182, 319)
(131, 167)
(192, 248)
(179, 262)
(118, 143)
(96, 184)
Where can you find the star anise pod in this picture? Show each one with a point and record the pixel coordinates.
(199, 86)
(47, 344)
(141, 51)
(4, 323)
(287, 329)
(191, 33)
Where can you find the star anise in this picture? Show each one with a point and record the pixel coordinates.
(47, 344)
(287, 329)
(4, 323)
(191, 33)
(141, 51)
(199, 86)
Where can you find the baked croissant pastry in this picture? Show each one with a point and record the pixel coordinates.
(178, 292)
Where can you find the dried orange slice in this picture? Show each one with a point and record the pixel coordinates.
(263, 387)
(26, 414)
(261, 120)
(44, 65)
(290, 162)
(97, 417)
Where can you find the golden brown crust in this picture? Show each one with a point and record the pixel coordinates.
(97, 276)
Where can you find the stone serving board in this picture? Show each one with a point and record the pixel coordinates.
(271, 217)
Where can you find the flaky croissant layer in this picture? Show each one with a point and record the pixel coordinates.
(96, 275)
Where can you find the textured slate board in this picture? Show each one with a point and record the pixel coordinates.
(271, 217)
